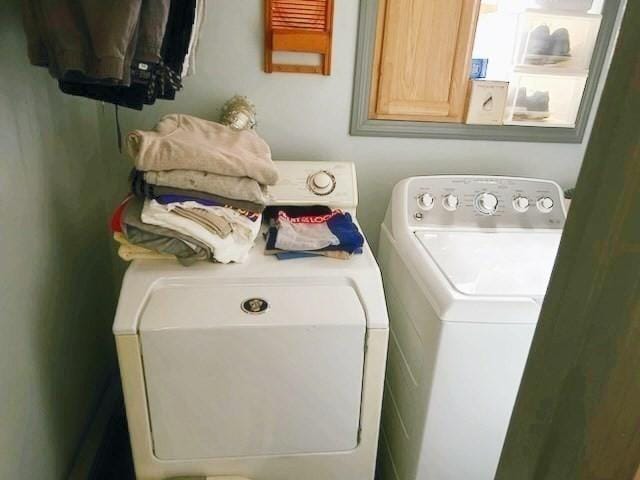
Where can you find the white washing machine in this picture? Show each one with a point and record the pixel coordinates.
(466, 261)
(266, 370)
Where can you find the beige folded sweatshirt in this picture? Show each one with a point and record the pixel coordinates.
(188, 143)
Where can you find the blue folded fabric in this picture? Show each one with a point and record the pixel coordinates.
(167, 199)
(343, 227)
(295, 255)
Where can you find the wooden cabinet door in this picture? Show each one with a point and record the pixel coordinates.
(422, 59)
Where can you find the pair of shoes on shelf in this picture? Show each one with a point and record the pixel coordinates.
(545, 47)
(531, 107)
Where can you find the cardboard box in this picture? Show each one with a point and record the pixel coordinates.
(487, 101)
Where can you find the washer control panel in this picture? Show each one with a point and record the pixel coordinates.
(315, 183)
(484, 202)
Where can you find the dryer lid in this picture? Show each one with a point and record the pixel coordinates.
(494, 263)
(205, 306)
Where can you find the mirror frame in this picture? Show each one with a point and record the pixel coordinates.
(362, 125)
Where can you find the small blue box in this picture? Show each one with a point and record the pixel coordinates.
(479, 68)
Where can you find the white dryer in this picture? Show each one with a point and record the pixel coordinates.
(466, 261)
(266, 370)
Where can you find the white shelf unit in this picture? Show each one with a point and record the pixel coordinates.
(551, 61)
(573, 6)
(536, 70)
(563, 91)
(556, 39)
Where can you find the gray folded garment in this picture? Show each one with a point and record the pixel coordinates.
(237, 188)
(213, 223)
(186, 249)
(142, 189)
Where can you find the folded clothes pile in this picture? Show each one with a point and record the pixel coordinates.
(198, 192)
(307, 231)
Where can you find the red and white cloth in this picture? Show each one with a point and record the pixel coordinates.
(305, 232)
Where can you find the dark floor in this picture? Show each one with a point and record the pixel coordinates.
(114, 461)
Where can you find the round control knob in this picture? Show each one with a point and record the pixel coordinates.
(450, 202)
(321, 183)
(545, 204)
(487, 203)
(426, 201)
(521, 204)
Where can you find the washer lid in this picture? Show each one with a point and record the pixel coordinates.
(494, 263)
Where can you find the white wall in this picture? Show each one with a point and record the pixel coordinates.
(306, 117)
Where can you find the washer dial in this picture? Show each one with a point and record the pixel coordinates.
(426, 201)
(486, 203)
(321, 183)
(450, 202)
(545, 204)
(521, 204)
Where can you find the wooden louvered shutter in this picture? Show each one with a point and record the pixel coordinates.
(298, 26)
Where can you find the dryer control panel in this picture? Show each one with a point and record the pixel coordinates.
(484, 202)
(315, 183)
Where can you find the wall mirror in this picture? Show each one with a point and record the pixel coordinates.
(513, 70)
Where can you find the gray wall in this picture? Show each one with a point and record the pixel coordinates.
(57, 289)
(306, 117)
